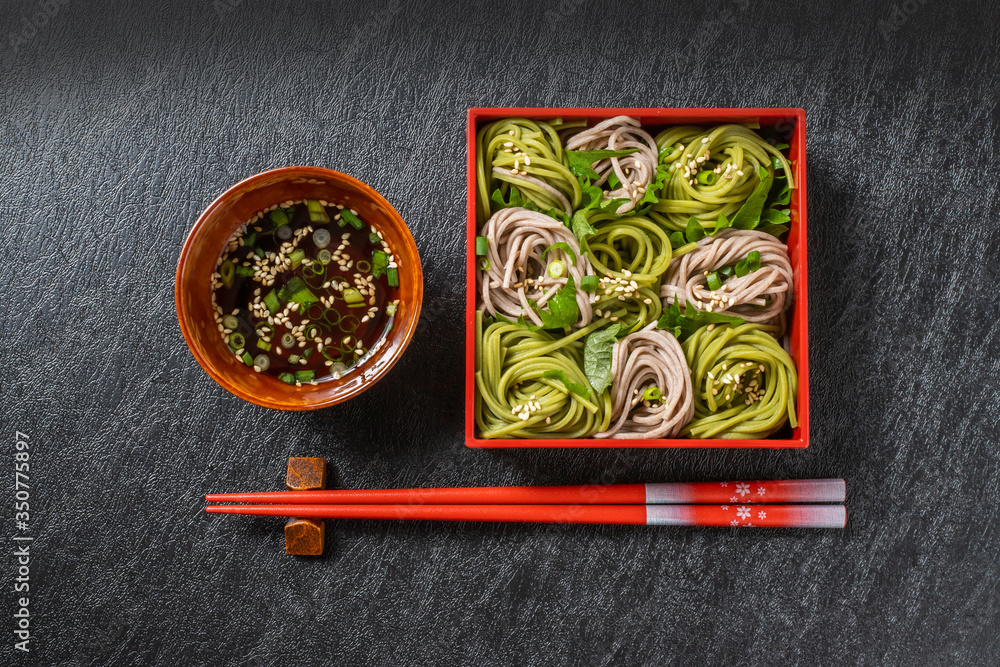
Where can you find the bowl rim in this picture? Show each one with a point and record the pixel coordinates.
(183, 314)
(660, 115)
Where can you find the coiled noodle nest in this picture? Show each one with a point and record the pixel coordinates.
(744, 383)
(530, 384)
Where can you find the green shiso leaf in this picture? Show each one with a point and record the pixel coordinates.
(597, 351)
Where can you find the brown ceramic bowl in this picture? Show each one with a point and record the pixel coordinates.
(206, 242)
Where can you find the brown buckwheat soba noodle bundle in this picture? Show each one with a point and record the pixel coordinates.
(516, 272)
(758, 296)
(635, 171)
(651, 394)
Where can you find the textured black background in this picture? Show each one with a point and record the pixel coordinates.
(120, 124)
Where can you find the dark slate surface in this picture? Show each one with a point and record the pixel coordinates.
(120, 124)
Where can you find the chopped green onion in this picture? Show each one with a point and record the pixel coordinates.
(321, 238)
(374, 239)
(260, 252)
(713, 281)
(725, 271)
(331, 316)
(228, 273)
(237, 341)
(652, 394)
(287, 340)
(393, 276)
(262, 361)
(324, 257)
(707, 177)
(272, 302)
(263, 346)
(483, 264)
(283, 233)
(312, 331)
(317, 212)
(248, 239)
(305, 355)
(279, 217)
(349, 324)
(751, 263)
(355, 221)
(337, 369)
(293, 358)
(244, 271)
(287, 378)
(230, 322)
(296, 290)
(556, 269)
(390, 309)
(351, 295)
(588, 283)
(482, 245)
(380, 261)
(247, 359)
(315, 311)
(305, 376)
(296, 257)
(304, 297)
(563, 246)
(363, 266)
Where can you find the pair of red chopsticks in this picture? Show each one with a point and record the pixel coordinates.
(745, 504)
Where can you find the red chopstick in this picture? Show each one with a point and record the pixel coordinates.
(742, 515)
(783, 491)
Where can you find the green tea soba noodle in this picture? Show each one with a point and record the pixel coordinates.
(634, 244)
(629, 256)
(530, 384)
(526, 155)
(744, 383)
(760, 295)
(634, 172)
(712, 172)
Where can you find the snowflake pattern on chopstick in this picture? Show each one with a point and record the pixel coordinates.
(742, 489)
(743, 512)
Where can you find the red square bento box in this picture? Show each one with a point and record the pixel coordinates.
(791, 124)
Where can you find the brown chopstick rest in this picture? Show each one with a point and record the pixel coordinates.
(305, 537)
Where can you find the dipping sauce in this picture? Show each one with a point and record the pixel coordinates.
(305, 291)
